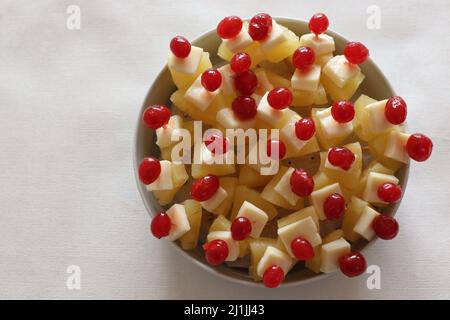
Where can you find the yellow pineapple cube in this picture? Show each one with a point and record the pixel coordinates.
(280, 73)
(377, 146)
(229, 184)
(360, 122)
(179, 178)
(299, 215)
(284, 49)
(200, 170)
(183, 80)
(244, 247)
(164, 197)
(311, 147)
(253, 51)
(220, 224)
(243, 193)
(314, 263)
(351, 217)
(257, 249)
(270, 195)
(344, 93)
(374, 166)
(251, 178)
(302, 98)
(194, 214)
(324, 141)
(350, 178)
(321, 180)
(333, 235)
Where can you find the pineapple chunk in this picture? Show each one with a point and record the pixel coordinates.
(243, 193)
(321, 180)
(318, 198)
(314, 263)
(201, 170)
(377, 147)
(194, 214)
(277, 80)
(374, 181)
(349, 178)
(332, 236)
(364, 225)
(220, 224)
(252, 178)
(360, 122)
(253, 50)
(183, 80)
(229, 184)
(311, 146)
(274, 256)
(329, 132)
(256, 216)
(374, 166)
(282, 50)
(321, 44)
(344, 93)
(244, 247)
(272, 196)
(305, 228)
(299, 215)
(233, 246)
(257, 249)
(351, 217)
(164, 197)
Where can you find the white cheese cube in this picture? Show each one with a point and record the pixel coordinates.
(318, 198)
(283, 188)
(227, 80)
(164, 134)
(264, 84)
(164, 181)
(331, 128)
(233, 246)
(274, 39)
(274, 257)
(340, 71)
(179, 222)
(364, 225)
(377, 119)
(331, 253)
(188, 65)
(305, 228)
(268, 114)
(320, 44)
(258, 218)
(241, 41)
(199, 96)
(396, 146)
(214, 202)
(328, 164)
(306, 80)
(288, 135)
(374, 181)
(228, 120)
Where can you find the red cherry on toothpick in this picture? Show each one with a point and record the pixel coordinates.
(302, 184)
(419, 147)
(204, 188)
(343, 111)
(217, 144)
(160, 225)
(385, 227)
(305, 129)
(260, 26)
(211, 79)
(244, 107)
(149, 170)
(389, 192)
(216, 252)
(356, 52)
(156, 116)
(395, 110)
(341, 157)
(240, 62)
(303, 58)
(302, 249)
(334, 206)
(180, 47)
(273, 276)
(229, 27)
(318, 23)
(241, 227)
(352, 264)
(262, 18)
(276, 149)
(279, 98)
(246, 82)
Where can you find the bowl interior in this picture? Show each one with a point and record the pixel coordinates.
(375, 85)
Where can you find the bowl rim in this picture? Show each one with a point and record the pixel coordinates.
(209, 269)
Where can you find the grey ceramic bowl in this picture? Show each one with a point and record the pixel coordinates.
(375, 85)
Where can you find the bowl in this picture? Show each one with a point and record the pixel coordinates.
(375, 85)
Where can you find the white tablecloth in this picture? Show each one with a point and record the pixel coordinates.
(69, 101)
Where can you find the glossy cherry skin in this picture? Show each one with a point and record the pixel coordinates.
(229, 27)
(334, 206)
(419, 147)
(156, 116)
(161, 224)
(302, 249)
(276, 149)
(217, 144)
(262, 18)
(244, 108)
(343, 111)
(246, 82)
(356, 52)
(395, 110)
(216, 252)
(303, 58)
(241, 227)
(302, 184)
(318, 23)
(341, 157)
(240, 62)
(389, 192)
(385, 227)
(279, 98)
(273, 277)
(352, 264)
(211, 80)
(305, 129)
(149, 170)
(204, 188)
(180, 47)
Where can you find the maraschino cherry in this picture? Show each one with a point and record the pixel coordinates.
(303, 58)
(302, 184)
(279, 98)
(318, 23)
(149, 170)
(395, 110)
(156, 116)
(334, 206)
(305, 129)
(302, 249)
(229, 27)
(389, 192)
(276, 149)
(246, 82)
(341, 157)
(161, 224)
(204, 188)
(217, 144)
(216, 252)
(419, 147)
(352, 264)
(180, 47)
(385, 227)
(356, 52)
(240, 62)
(244, 107)
(211, 79)
(260, 26)
(343, 111)
(241, 227)
(273, 276)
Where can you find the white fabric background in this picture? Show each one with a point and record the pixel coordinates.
(69, 101)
